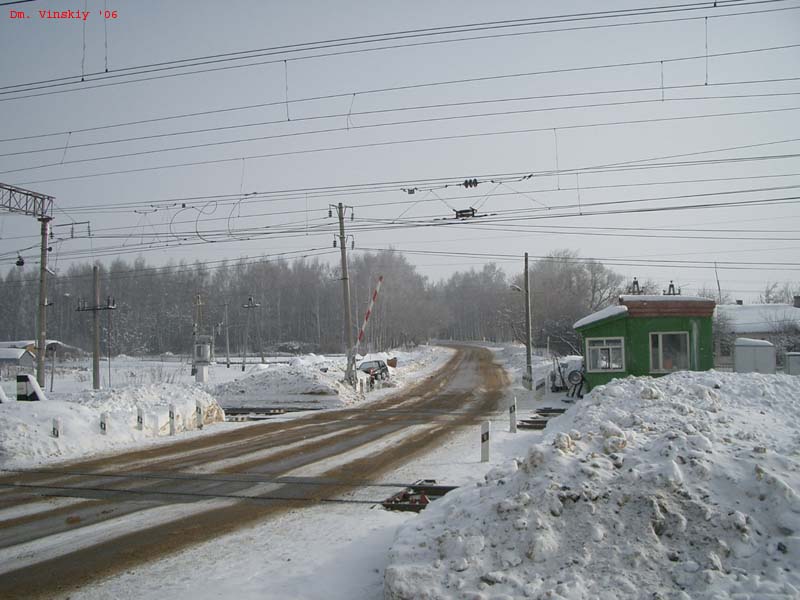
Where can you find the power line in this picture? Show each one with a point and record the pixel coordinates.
(362, 146)
(380, 111)
(407, 87)
(249, 55)
(382, 226)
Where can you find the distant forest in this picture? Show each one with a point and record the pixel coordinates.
(301, 303)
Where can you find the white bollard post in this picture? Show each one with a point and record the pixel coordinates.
(139, 418)
(56, 428)
(512, 416)
(104, 423)
(485, 429)
(199, 412)
(172, 419)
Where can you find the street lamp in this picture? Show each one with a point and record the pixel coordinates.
(527, 379)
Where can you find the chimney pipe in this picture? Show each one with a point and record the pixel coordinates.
(739, 302)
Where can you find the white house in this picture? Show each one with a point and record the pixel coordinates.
(14, 360)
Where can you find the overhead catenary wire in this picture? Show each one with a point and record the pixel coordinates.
(366, 145)
(449, 82)
(350, 126)
(249, 55)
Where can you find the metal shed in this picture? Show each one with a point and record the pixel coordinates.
(753, 356)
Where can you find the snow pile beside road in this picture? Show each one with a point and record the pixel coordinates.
(683, 487)
(315, 381)
(513, 359)
(26, 428)
(298, 376)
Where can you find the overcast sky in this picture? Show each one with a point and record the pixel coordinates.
(167, 214)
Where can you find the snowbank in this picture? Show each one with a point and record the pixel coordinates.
(26, 430)
(315, 381)
(683, 487)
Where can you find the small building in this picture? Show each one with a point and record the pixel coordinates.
(647, 335)
(775, 323)
(16, 360)
(753, 356)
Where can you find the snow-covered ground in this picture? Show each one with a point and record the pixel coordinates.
(681, 487)
(674, 488)
(26, 428)
(315, 381)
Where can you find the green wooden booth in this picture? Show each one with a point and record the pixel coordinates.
(647, 335)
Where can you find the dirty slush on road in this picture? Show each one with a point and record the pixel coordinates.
(227, 481)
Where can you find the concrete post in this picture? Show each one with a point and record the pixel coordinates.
(485, 430)
(172, 419)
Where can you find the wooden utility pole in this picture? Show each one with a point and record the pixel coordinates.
(348, 322)
(95, 309)
(250, 304)
(227, 340)
(96, 344)
(42, 329)
(528, 367)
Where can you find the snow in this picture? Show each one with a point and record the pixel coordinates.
(11, 353)
(315, 381)
(26, 436)
(758, 318)
(683, 487)
(600, 315)
(751, 342)
(678, 487)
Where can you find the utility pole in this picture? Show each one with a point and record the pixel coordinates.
(250, 304)
(96, 345)
(18, 200)
(227, 340)
(528, 379)
(348, 322)
(42, 329)
(95, 309)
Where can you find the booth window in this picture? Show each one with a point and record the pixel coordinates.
(605, 354)
(669, 352)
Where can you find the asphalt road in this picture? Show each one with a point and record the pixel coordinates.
(136, 507)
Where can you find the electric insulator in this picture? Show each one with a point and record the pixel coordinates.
(352, 245)
(334, 242)
(20, 260)
(330, 213)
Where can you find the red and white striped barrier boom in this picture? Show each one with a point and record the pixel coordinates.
(369, 310)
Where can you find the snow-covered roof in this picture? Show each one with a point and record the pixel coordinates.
(26, 343)
(751, 342)
(758, 318)
(11, 353)
(601, 315)
(660, 298)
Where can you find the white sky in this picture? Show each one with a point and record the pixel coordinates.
(147, 32)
